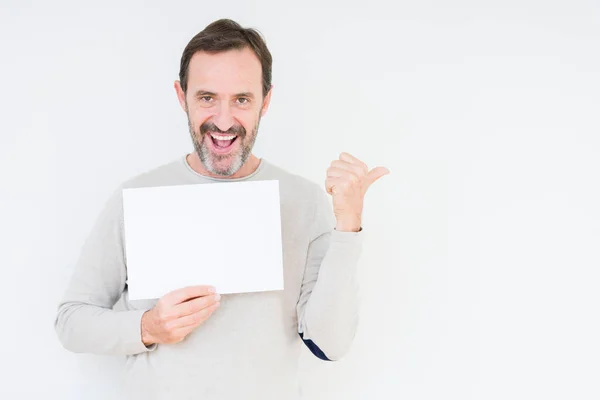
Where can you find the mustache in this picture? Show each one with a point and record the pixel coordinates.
(234, 130)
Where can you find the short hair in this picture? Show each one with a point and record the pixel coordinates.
(223, 35)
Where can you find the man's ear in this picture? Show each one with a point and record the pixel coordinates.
(266, 102)
(180, 95)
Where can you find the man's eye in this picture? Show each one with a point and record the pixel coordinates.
(243, 100)
(206, 98)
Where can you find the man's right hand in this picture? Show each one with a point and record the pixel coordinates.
(178, 313)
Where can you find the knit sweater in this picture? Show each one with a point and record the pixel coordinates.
(249, 347)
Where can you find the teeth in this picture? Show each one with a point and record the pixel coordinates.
(228, 137)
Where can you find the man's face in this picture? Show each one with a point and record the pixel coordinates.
(224, 104)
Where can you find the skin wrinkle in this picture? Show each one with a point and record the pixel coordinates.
(208, 159)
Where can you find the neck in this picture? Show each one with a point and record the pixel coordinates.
(248, 168)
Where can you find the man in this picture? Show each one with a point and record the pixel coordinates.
(193, 343)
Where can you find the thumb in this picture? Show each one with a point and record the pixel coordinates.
(376, 173)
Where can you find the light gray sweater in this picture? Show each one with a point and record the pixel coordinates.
(249, 347)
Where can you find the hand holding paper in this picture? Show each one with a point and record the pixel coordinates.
(178, 313)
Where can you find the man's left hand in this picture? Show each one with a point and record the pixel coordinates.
(347, 182)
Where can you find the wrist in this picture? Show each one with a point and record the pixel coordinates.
(348, 225)
(147, 337)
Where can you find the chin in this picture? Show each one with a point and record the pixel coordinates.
(226, 167)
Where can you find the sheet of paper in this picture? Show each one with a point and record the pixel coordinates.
(225, 234)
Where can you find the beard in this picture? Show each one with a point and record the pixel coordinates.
(223, 164)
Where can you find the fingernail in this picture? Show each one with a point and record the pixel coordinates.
(217, 297)
(212, 290)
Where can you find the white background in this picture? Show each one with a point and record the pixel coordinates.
(480, 267)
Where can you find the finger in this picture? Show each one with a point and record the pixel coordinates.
(334, 172)
(182, 333)
(331, 184)
(195, 305)
(193, 320)
(376, 173)
(353, 160)
(345, 165)
(186, 293)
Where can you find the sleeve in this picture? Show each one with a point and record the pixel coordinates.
(328, 305)
(85, 321)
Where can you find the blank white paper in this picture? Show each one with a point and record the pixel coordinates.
(227, 235)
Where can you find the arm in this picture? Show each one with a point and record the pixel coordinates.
(328, 305)
(85, 321)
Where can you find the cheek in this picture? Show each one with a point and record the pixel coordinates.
(197, 118)
(245, 121)
(249, 121)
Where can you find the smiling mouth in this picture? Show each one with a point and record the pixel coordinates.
(223, 142)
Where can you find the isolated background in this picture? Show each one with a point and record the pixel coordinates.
(480, 267)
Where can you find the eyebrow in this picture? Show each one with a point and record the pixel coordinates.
(201, 93)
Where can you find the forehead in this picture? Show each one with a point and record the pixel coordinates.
(228, 72)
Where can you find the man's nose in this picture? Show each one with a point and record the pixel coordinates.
(223, 118)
